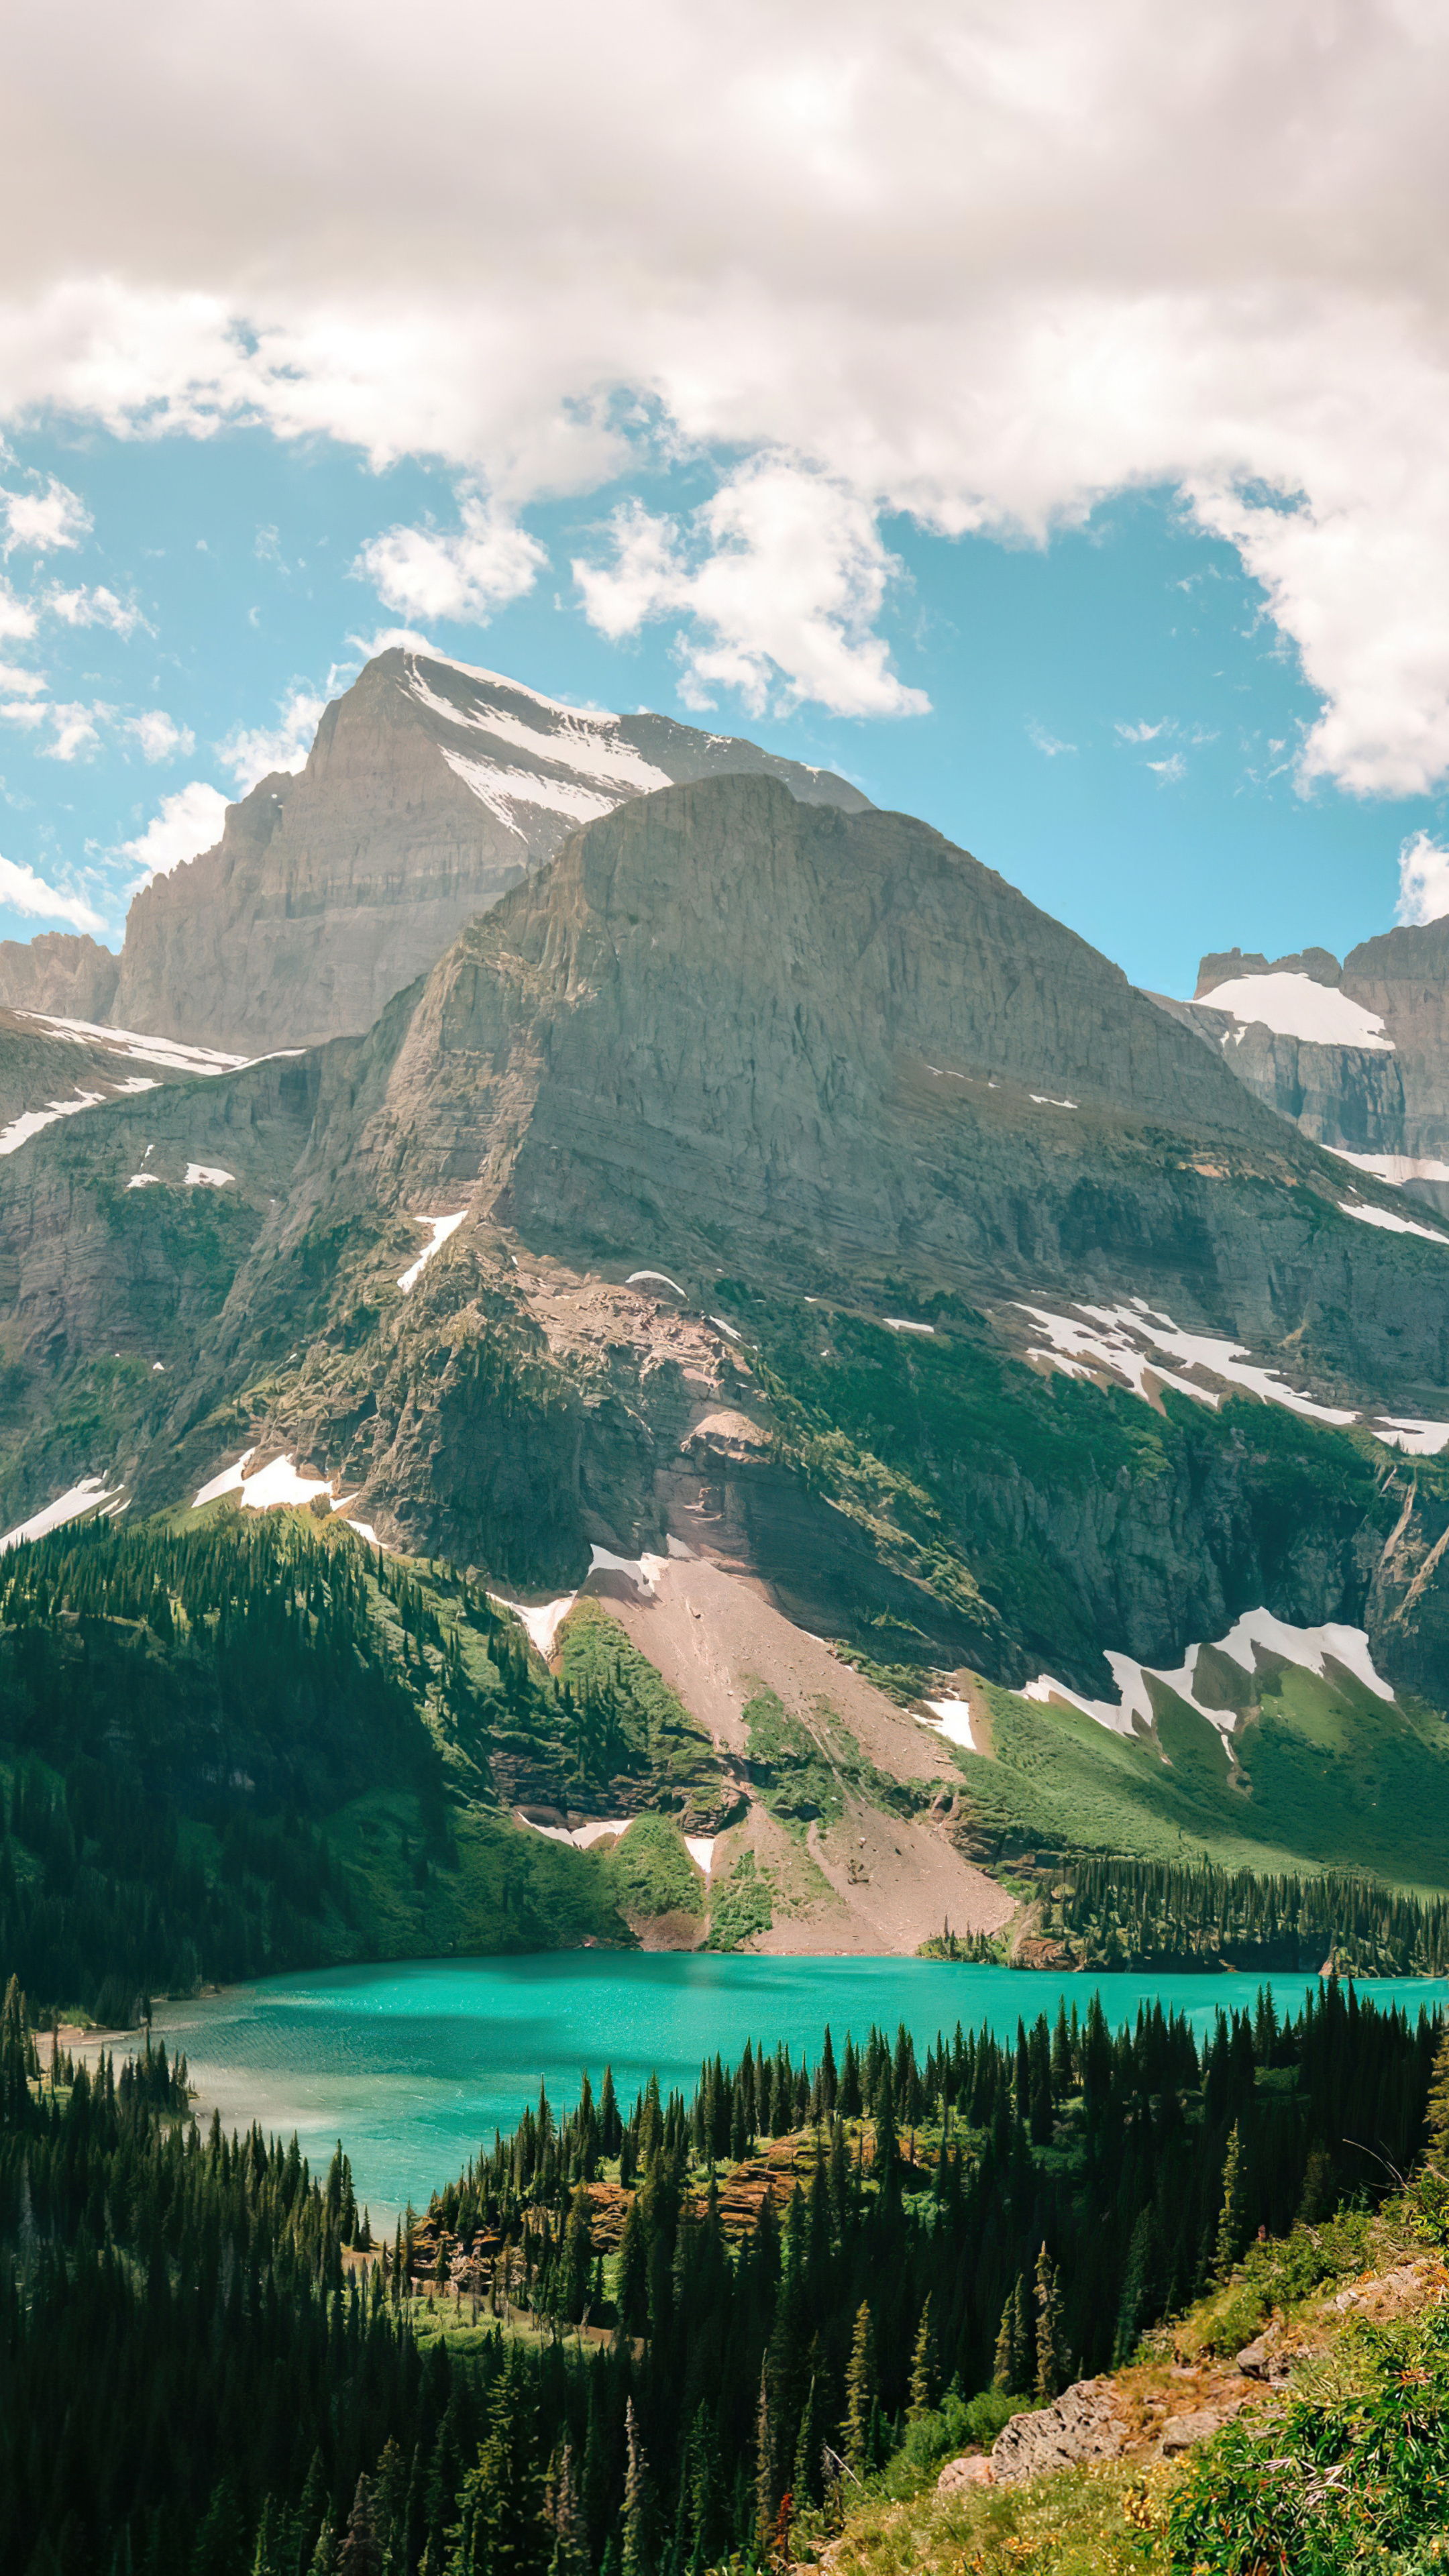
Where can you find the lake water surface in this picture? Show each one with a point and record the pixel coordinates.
(415, 2064)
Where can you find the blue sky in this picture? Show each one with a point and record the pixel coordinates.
(1035, 412)
(1113, 718)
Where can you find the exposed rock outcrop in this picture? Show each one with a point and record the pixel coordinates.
(1085, 2423)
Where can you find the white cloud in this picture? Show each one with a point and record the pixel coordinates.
(43, 521)
(251, 755)
(21, 890)
(1048, 743)
(1423, 881)
(1139, 732)
(26, 684)
(782, 574)
(465, 575)
(98, 607)
(160, 737)
(907, 247)
(388, 638)
(17, 618)
(25, 711)
(76, 730)
(1170, 770)
(188, 823)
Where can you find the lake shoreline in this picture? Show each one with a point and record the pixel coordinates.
(416, 2064)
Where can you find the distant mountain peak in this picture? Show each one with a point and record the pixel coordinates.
(432, 787)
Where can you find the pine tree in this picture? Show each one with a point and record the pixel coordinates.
(860, 2391)
(637, 2559)
(765, 2485)
(1048, 2329)
(922, 2367)
(1003, 2374)
(360, 2553)
(1232, 2217)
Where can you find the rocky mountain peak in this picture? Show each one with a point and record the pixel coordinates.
(1226, 966)
(431, 788)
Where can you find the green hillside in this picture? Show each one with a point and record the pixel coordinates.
(237, 1742)
(1326, 1775)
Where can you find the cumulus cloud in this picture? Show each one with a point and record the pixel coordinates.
(1423, 880)
(98, 607)
(389, 638)
(160, 737)
(465, 574)
(782, 574)
(906, 247)
(25, 684)
(21, 890)
(42, 520)
(75, 729)
(18, 620)
(188, 823)
(29, 713)
(251, 755)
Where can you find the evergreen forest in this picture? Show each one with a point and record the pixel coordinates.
(638, 2343)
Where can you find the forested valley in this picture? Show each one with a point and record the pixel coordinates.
(630, 2343)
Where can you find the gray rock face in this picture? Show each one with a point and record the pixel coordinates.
(430, 790)
(1318, 964)
(1183, 2432)
(1083, 2424)
(1388, 1106)
(58, 972)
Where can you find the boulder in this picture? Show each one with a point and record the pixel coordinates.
(1084, 2423)
(973, 2471)
(1181, 2432)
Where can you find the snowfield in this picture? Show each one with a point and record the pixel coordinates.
(1293, 1006)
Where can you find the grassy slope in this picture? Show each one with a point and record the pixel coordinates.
(1370, 2392)
(1330, 1776)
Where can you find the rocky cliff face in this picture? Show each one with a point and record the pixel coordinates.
(1384, 1104)
(430, 790)
(60, 973)
(781, 1145)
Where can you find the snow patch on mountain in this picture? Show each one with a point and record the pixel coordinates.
(574, 738)
(278, 1482)
(952, 1718)
(136, 1047)
(1112, 1340)
(1393, 1223)
(501, 790)
(88, 1496)
(1394, 1168)
(1416, 1439)
(30, 1121)
(441, 1227)
(1310, 1648)
(542, 1622)
(1293, 1006)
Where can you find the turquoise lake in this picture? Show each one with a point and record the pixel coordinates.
(414, 2065)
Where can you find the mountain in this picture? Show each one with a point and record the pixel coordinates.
(764, 1229)
(59, 972)
(1357, 1055)
(429, 790)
